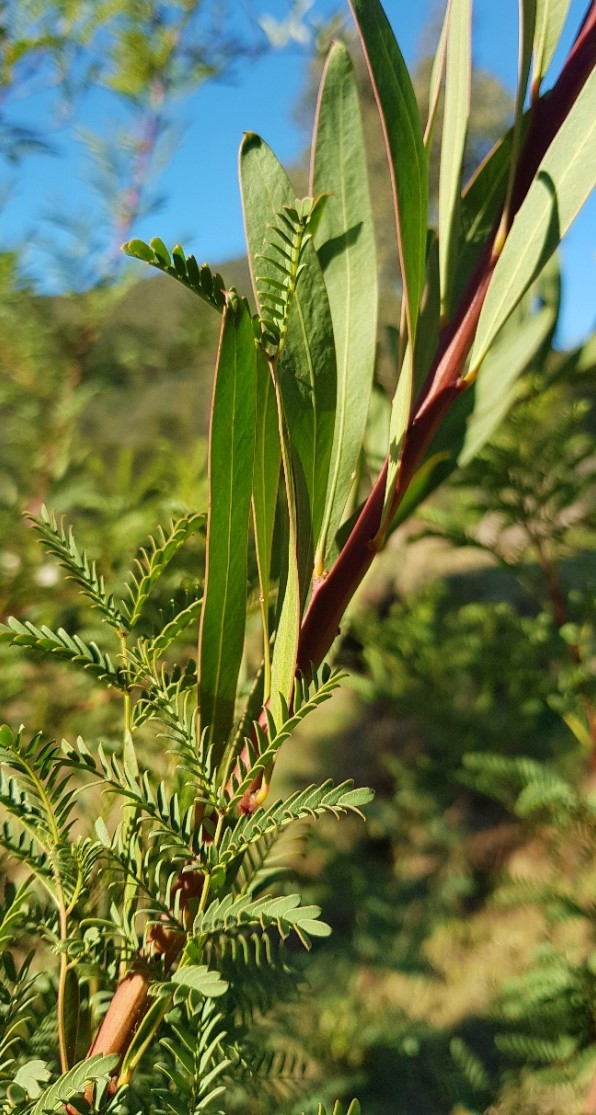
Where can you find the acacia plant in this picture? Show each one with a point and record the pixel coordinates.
(165, 924)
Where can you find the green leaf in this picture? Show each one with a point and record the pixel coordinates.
(480, 207)
(285, 913)
(550, 20)
(437, 74)
(338, 1109)
(231, 460)
(201, 279)
(458, 74)
(264, 493)
(72, 1004)
(311, 802)
(346, 248)
(403, 137)
(32, 1076)
(154, 561)
(400, 415)
(198, 977)
(562, 184)
(261, 752)
(62, 645)
(527, 23)
(495, 388)
(62, 546)
(306, 366)
(475, 415)
(427, 337)
(71, 1085)
(10, 924)
(285, 649)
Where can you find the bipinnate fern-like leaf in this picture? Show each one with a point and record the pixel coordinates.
(164, 691)
(179, 622)
(197, 1046)
(261, 749)
(208, 284)
(284, 913)
(278, 1071)
(153, 561)
(60, 644)
(18, 997)
(61, 544)
(41, 798)
(471, 1067)
(198, 978)
(529, 788)
(293, 227)
(259, 969)
(72, 1084)
(313, 802)
(540, 1050)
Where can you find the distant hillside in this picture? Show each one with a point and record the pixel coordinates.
(152, 363)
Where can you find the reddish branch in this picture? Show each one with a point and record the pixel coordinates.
(333, 594)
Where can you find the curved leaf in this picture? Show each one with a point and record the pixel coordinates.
(231, 459)
(550, 20)
(562, 184)
(346, 248)
(403, 137)
(95, 1070)
(458, 76)
(306, 366)
(265, 487)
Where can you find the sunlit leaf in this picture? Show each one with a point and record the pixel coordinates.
(346, 249)
(550, 20)
(306, 367)
(562, 184)
(403, 135)
(458, 76)
(265, 486)
(231, 458)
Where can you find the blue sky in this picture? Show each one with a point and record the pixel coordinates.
(202, 205)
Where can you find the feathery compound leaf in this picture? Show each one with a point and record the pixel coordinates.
(155, 559)
(62, 645)
(231, 462)
(283, 253)
(62, 545)
(263, 751)
(284, 913)
(72, 1084)
(200, 279)
(311, 802)
(156, 646)
(345, 245)
(41, 798)
(198, 977)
